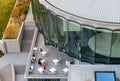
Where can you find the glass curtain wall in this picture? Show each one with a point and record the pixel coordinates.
(83, 42)
(88, 43)
(115, 50)
(52, 28)
(74, 37)
(62, 34)
(103, 45)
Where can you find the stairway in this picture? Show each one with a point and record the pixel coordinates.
(28, 33)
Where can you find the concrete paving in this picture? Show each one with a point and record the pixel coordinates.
(16, 59)
(53, 53)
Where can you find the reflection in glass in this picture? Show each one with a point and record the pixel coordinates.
(115, 51)
(46, 27)
(103, 45)
(62, 34)
(88, 44)
(73, 39)
(52, 28)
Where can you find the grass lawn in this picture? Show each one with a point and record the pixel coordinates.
(6, 7)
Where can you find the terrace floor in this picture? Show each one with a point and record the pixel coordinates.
(53, 53)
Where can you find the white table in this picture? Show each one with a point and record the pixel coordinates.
(35, 48)
(41, 70)
(52, 70)
(66, 70)
(44, 53)
(56, 61)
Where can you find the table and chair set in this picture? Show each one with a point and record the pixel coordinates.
(43, 63)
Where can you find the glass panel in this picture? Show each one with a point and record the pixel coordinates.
(115, 53)
(42, 21)
(88, 44)
(38, 11)
(52, 28)
(103, 45)
(74, 39)
(38, 14)
(62, 35)
(34, 9)
(46, 27)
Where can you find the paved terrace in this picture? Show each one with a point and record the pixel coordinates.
(52, 54)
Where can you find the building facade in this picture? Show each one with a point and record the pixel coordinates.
(85, 39)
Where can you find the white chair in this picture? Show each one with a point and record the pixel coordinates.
(31, 69)
(33, 59)
(35, 49)
(67, 63)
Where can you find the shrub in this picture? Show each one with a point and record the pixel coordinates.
(19, 4)
(11, 32)
(22, 17)
(16, 12)
(17, 17)
(24, 8)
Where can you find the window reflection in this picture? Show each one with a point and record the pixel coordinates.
(103, 45)
(88, 44)
(52, 28)
(74, 39)
(62, 34)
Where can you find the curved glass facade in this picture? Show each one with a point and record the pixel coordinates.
(81, 41)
